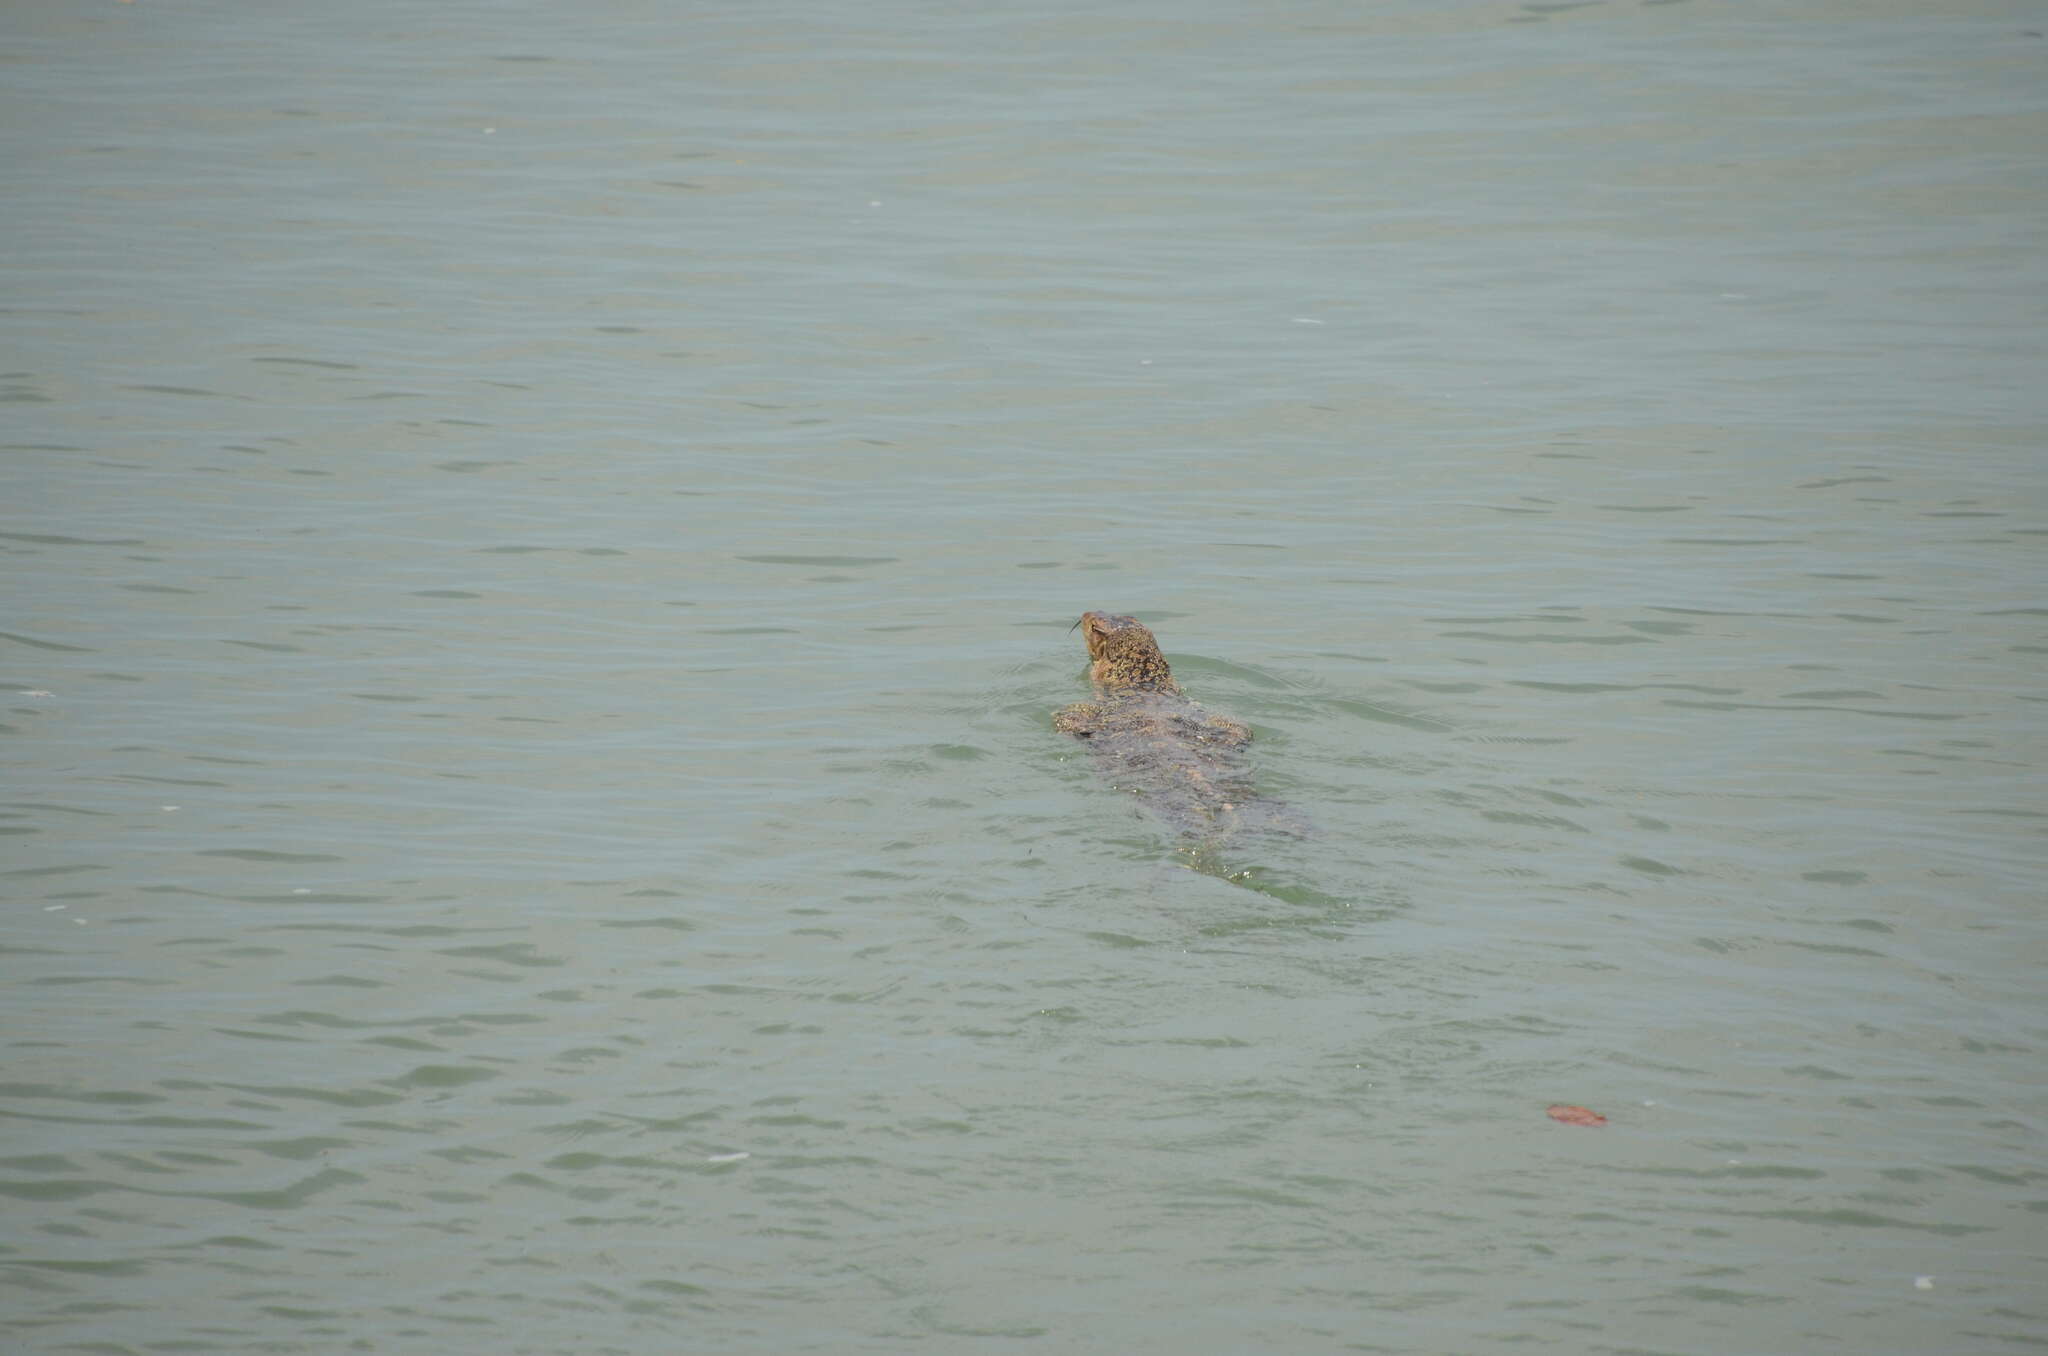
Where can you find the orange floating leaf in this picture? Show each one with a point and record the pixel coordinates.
(1576, 1115)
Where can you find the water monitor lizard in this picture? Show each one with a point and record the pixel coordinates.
(1185, 764)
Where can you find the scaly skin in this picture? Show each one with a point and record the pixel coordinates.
(1184, 763)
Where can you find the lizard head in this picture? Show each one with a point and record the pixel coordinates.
(1124, 652)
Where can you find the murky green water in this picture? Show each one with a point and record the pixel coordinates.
(540, 545)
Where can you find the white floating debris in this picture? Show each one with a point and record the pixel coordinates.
(727, 1158)
(52, 908)
(302, 890)
(1304, 320)
(33, 692)
(166, 807)
(1923, 1283)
